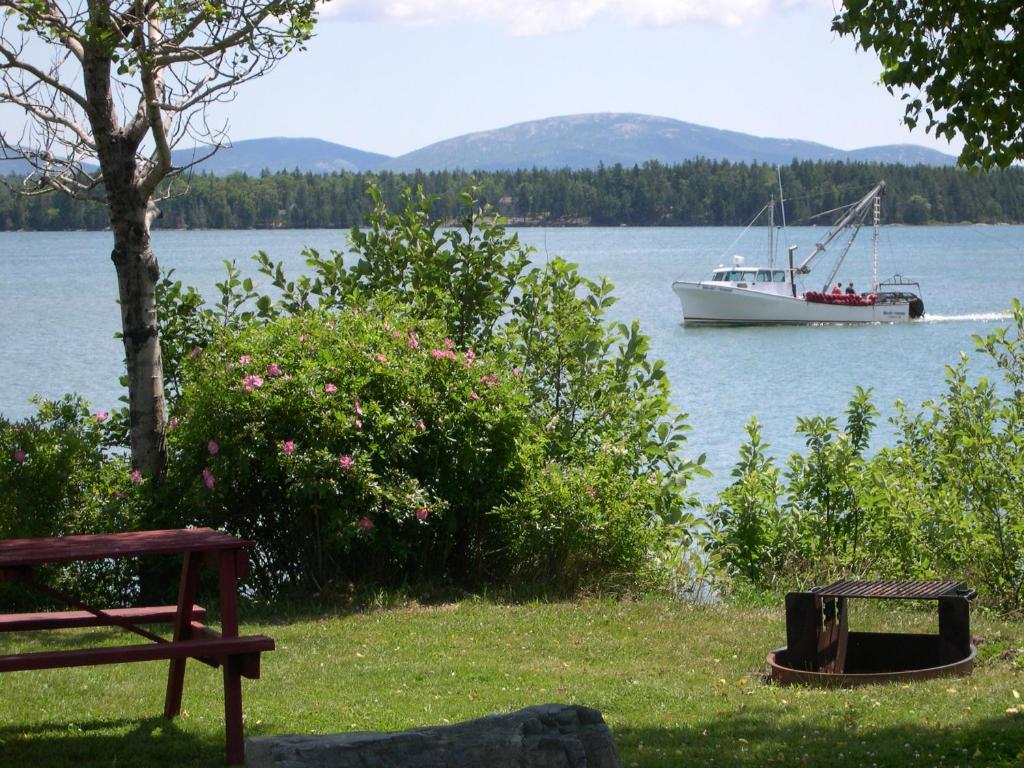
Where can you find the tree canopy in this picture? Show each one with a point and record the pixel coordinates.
(107, 89)
(958, 63)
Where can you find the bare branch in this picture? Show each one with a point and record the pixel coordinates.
(11, 60)
(48, 114)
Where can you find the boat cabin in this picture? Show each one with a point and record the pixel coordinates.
(748, 275)
(758, 279)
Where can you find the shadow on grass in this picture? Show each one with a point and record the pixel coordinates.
(761, 736)
(151, 741)
(758, 736)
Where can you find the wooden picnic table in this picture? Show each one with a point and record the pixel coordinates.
(238, 656)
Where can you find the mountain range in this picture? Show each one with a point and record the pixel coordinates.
(573, 141)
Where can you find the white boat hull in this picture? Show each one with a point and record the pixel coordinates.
(725, 304)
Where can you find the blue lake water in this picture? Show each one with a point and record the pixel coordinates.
(58, 317)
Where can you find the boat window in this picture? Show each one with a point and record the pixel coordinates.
(780, 276)
(720, 276)
(764, 276)
(735, 276)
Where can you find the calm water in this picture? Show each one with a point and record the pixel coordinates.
(58, 316)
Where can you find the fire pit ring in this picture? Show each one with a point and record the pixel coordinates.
(821, 651)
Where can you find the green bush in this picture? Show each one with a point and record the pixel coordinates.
(749, 533)
(944, 502)
(349, 446)
(57, 479)
(583, 526)
(565, 390)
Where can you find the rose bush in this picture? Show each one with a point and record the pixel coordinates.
(349, 446)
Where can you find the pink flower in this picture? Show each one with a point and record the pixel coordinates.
(251, 382)
(196, 351)
(470, 357)
(365, 523)
(397, 335)
(208, 478)
(474, 396)
(273, 370)
(102, 415)
(449, 344)
(288, 448)
(135, 477)
(420, 425)
(330, 389)
(422, 513)
(172, 424)
(359, 423)
(414, 342)
(244, 360)
(345, 462)
(381, 358)
(358, 409)
(302, 338)
(19, 455)
(442, 353)
(489, 379)
(516, 371)
(213, 448)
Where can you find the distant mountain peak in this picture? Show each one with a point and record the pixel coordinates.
(566, 141)
(587, 140)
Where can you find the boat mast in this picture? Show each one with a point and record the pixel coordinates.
(771, 231)
(782, 208)
(857, 212)
(874, 246)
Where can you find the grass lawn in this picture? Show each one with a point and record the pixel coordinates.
(678, 685)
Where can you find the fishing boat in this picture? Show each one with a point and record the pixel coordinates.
(740, 294)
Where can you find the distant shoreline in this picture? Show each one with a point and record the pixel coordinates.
(520, 224)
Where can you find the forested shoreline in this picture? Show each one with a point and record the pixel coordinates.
(696, 193)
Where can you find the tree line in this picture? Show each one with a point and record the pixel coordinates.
(695, 193)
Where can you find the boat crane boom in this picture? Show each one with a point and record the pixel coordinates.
(857, 211)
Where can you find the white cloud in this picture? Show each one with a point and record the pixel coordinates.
(538, 17)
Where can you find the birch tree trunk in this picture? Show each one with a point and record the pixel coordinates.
(137, 276)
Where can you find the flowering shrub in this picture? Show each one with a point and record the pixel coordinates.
(348, 446)
(570, 389)
(57, 480)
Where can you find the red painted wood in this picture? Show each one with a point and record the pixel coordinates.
(28, 622)
(224, 647)
(234, 750)
(240, 656)
(228, 594)
(15, 553)
(187, 587)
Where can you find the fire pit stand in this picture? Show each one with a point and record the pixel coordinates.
(820, 649)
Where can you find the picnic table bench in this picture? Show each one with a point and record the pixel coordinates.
(239, 656)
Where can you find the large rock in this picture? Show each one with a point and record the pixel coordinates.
(546, 736)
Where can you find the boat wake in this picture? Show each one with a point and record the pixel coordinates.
(983, 317)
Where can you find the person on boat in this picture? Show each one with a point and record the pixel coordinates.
(838, 289)
(850, 289)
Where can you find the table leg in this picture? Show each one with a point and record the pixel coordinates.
(182, 631)
(233, 747)
(229, 572)
(228, 568)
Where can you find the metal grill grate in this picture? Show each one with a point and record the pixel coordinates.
(894, 590)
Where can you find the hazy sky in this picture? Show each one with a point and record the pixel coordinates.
(393, 75)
